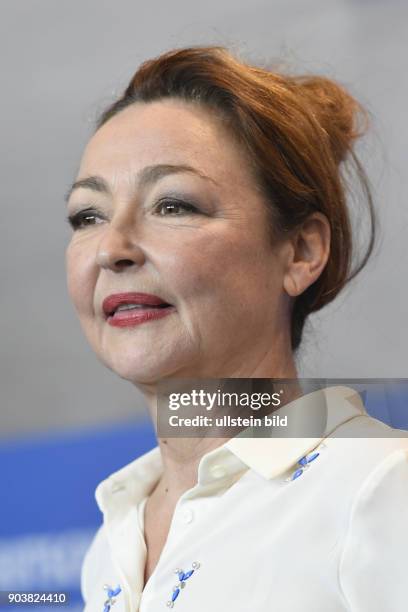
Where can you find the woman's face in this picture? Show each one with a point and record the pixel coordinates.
(173, 211)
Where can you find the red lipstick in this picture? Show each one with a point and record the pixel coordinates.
(142, 307)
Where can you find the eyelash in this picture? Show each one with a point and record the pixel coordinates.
(188, 208)
(76, 219)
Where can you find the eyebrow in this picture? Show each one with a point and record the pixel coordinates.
(146, 177)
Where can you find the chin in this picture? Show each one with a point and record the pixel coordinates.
(142, 368)
(144, 358)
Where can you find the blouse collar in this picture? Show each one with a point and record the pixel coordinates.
(326, 409)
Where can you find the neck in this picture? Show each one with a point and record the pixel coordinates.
(181, 456)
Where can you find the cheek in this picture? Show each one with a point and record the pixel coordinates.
(215, 266)
(81, 276)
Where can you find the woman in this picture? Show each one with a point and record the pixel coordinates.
(210, 219)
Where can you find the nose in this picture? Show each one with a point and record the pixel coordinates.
(118, 250)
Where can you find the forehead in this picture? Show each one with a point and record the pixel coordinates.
(165, 132)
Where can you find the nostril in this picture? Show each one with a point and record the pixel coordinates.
(124, 263)
(118, 257)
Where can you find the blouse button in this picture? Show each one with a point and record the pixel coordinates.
(217, 471)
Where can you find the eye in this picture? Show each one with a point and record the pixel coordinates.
(84, 218)
(168, 207)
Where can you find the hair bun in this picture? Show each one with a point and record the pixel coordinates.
(337, 112)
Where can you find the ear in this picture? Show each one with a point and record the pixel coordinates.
(307, 254)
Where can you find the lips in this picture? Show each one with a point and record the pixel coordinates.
(143, 300)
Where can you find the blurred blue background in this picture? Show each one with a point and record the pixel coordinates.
(48, 510)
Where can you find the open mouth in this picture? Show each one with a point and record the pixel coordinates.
(131, 308)
(125, 310)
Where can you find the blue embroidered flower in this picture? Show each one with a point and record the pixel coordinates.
(111, 593)
(182, 576)
(304, 463)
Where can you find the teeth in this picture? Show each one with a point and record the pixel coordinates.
(130, 306)
(140, 306)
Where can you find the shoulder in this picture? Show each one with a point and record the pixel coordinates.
(373, 460)
(360, 445)
(362, 455)
(372, 570)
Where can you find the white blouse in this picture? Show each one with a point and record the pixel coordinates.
(334, 539)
